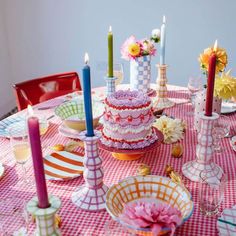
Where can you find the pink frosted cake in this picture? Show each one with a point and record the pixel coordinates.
(128, 120)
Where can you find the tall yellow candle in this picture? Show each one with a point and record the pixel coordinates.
(110, 53)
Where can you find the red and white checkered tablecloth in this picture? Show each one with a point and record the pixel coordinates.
(78, 222)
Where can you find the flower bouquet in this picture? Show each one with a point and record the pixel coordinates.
(139, 53)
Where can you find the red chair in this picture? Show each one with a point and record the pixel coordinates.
(42, 89)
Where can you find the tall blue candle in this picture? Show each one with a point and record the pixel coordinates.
(163, 41)
(87, 98)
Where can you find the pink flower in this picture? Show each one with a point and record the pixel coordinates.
(124, 48)
(151, 215)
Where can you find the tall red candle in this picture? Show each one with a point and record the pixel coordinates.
(210, 83)
(34, 136)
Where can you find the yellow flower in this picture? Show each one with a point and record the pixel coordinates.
(225, 86)
(134, 49)
(221, 59)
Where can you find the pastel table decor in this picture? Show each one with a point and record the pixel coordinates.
(45, 218)
(162, 94)
(110, 79)
(91, 196)
(139, 53)
(204, 152)
(163, 41)
(87, 97)
(35, 143)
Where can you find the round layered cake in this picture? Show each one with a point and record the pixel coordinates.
(128, 120)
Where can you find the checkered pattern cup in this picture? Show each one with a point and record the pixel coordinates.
(140, 73)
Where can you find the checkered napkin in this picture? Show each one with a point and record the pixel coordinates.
(227, 222)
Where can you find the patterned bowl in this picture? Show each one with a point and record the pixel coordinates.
(147, 188)
(73, 115)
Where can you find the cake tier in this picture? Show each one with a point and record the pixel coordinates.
(128, 135)
(123, 99)
(125, 144)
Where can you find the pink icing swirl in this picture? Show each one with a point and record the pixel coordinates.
(128, 98)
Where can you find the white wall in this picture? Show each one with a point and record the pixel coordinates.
(6, 98)
(49, 36)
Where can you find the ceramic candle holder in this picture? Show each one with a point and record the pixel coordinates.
(111, 86)
(204, 152)
(162, 97)
(45, 218)
(92, 195)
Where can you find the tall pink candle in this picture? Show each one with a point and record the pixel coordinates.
(34, 136)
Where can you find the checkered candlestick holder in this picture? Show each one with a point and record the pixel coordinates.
(92, 195)
(204, 152)
(111, 85)
(162, 99)
(45, 218)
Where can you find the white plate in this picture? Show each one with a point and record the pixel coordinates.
(63, 165)
(67, 132)
(226, 223)
(228, 107)
(9, 121)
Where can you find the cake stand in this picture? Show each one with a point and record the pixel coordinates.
(133, 154)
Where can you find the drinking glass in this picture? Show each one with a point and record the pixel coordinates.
(221, 129)
(118, 73)
(194, 86)
(21, 149)
(211, 193)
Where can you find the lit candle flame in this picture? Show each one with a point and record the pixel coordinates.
(30, 110)
(215, 46)
(164, 19)
(86, 58)
(110, 29)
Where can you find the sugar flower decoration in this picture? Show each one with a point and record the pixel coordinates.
(156, 35)
(225, 86)
(172, 129)
(151, 215)
(221, 59)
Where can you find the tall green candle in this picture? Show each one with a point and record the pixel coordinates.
(110, 53)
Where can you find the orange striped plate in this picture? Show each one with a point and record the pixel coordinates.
(63, 165)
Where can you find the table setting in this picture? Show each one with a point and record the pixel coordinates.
(125, 159)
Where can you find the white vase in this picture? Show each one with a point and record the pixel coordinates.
(200, 105)
(140, 73)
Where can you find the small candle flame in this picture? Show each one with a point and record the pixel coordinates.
(30, 110)
(86, 58)
(164, 19)
(215, 46)
(110, 29)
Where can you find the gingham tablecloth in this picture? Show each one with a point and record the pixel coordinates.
(78, 222)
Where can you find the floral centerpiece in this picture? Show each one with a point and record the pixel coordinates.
(139, 53)
(225, 84)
